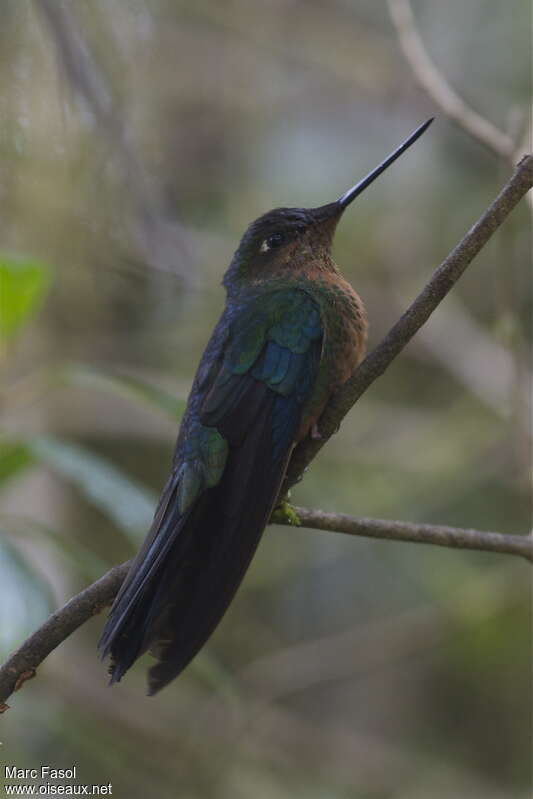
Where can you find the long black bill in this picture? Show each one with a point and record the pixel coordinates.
(356, 190)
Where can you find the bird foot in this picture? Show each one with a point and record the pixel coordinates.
(23, 677)
(315, 432)
(284, 513)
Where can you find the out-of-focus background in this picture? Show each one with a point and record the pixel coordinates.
(137, 141)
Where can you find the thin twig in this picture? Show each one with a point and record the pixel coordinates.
(162, 241)
(437, 87)
(441, 282)
(61, 624)
(437, 534)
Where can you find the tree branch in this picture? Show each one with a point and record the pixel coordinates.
(439, 90)
(22, 664)
(441, 282)
(437, 534)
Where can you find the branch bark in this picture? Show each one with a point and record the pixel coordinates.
(441, 282)
(437, 534)
(22, 664)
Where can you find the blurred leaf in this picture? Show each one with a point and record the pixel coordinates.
(25, 599)
(78, 555)
(23, 284)
(127, 386)
(14, 458)
(129, 504)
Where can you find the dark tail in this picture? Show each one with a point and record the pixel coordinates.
(191, 565)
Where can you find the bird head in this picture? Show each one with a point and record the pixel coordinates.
(287, 239)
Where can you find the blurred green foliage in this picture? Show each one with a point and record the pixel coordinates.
(126, 503)
(23, 286)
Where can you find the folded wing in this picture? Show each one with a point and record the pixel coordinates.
(243, 416)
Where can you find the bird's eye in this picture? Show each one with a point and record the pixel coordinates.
(278, 239)
(275, 240)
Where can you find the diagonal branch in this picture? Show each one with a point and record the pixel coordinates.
(441, 282)
(22, 664)
(437, 87)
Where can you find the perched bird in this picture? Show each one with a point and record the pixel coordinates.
(293, 331)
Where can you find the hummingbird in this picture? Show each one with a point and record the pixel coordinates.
(293, 330)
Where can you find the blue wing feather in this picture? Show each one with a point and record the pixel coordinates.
(234, 445)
